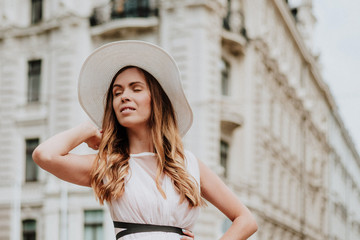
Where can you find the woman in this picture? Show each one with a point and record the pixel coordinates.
(153, 188)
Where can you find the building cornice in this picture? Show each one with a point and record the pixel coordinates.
(290, 24)
(309, 60)
(116, 26)
(45, 26)
(217, 6)
(289, 90)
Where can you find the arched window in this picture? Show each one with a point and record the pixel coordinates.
(29, 229)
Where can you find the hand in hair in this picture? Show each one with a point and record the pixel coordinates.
(93, 141)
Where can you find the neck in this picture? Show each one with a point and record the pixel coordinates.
(140, 140)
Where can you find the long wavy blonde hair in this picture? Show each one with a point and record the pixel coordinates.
(112, 160)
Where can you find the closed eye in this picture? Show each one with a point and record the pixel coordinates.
(117, 93)
(137, 87)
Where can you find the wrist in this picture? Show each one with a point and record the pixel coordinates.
(88, 129)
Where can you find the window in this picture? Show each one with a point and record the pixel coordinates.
(224, 151)
(31, 169)
(93, 225)
(294, 12)
(226, 20)
(36, 11)
(225, 77)
(139, 8)
(132, 8)
(29, 229)
(34, 75)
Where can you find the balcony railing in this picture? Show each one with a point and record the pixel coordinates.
(234, 36)
(237, 25)
(117, 9)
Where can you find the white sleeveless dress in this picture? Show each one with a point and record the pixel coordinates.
(143, 203)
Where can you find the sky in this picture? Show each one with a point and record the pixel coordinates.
(337, 39)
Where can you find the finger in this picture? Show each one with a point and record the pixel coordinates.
(99, 134)
(188, 232)
(93, 146)
(186, 238)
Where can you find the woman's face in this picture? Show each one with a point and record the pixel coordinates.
(132, 99)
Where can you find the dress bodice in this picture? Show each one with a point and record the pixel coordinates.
(143, 203)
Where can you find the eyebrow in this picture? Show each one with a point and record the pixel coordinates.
(131, 84)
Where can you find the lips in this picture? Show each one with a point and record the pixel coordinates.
(127, 109)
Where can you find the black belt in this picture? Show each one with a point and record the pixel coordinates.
(139, 227)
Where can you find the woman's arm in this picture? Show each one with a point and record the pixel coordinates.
(217, 193)
(53, 154)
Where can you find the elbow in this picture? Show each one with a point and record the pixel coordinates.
(252, 225)
(249, 223)
(40, 157)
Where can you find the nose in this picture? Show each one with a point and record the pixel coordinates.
(124, 97)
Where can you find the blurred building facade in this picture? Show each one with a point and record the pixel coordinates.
(264, 119)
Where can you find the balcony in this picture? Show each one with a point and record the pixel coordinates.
(110, 19)
(234, 36)
(231, 116)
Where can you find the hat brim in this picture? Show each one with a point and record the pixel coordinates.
(100, 67)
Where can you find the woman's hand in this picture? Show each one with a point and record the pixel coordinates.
(96, 135)
(188, 235)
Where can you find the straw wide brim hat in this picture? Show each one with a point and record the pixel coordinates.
(101, 66)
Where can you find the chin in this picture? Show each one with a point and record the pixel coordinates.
(126, 124)
(133, 125)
